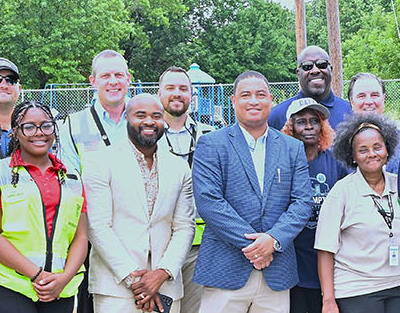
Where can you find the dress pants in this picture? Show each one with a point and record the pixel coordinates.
(190, 303)
(384, 301)
(254, 297)
(85, 299)
(109, 304)
(15, 302)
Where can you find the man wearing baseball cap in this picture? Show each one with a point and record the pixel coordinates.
(9, 94)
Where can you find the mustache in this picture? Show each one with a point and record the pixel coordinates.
(148, 127)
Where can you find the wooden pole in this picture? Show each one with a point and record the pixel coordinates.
(301, 32)
(335, 47)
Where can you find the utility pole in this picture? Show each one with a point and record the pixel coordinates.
(335, 46)
(301, 30)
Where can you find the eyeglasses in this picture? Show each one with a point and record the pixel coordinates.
(47, 128)
(10, 80)
(308, 65)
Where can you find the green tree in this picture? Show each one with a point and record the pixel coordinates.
(375, 47)
(225, 37)
(351, 13)
(234, 36)
(161, 32)
(54, 41)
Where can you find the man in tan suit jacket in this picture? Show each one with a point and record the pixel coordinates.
(141, 216)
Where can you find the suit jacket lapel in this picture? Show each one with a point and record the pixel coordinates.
(272, 155)
(239, 143)
(162, 181)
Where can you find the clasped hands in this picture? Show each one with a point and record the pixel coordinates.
(260, 252)
(48, 286)
(146, 287)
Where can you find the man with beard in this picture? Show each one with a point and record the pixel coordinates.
(181, 135)
(314, 72)
(140, 214)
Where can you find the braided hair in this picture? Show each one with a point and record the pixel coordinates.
(18, 114)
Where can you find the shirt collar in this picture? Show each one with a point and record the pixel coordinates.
(366, 190)
(250, 139)
(16, 160)
(102, 112)
(189, 123)
(139, 154)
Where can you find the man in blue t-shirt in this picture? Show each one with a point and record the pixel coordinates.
(314, 72)
(9, 94)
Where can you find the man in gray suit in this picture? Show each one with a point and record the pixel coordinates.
(141, 216)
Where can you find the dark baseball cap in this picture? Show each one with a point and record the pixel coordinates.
(8, 65)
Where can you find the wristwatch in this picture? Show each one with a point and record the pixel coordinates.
(130, 280)
(277, 245)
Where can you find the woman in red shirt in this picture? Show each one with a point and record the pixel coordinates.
(43, 240)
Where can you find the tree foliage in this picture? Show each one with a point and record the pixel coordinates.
(368, 33)
(224, 38)
(55, 41)
(375, 46)
(163, 32)
(255, 35)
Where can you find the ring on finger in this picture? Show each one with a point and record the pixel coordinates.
(256, 256)
(142, 296)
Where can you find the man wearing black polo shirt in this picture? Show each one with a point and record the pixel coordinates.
(314, 72)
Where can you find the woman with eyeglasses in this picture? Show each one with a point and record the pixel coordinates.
(43, 240)
(358, 232)
(307, 121)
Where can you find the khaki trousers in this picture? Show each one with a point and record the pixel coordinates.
(254, 297)
(109, 304)
(190, 303)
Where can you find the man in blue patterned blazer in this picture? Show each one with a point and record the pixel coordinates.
(251, 186)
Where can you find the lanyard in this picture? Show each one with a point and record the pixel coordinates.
(387, 216)
(190, 153)
(99, 126)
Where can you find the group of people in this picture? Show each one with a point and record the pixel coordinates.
(294, 208)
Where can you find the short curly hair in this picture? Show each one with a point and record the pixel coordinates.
(345, 132)
(325, 137)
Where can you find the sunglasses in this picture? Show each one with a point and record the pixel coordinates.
(10, 80)
(308, 65)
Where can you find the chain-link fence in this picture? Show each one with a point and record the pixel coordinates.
(211, 103)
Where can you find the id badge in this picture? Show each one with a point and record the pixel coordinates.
(394, 255)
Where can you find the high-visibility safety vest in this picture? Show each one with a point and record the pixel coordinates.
(24, 225)
(87, 132)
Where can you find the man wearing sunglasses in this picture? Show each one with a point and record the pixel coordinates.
(180, 137)
(314, 72)
(9, 94)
